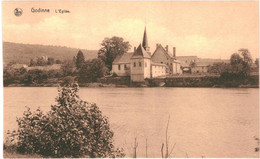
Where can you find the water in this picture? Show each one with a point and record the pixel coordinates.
(209, 122)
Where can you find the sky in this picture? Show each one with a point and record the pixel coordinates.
(207, 29)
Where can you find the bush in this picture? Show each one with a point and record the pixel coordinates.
(73, 128)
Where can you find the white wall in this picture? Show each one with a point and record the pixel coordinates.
(137, 72)
(158, 71)
(123, 71)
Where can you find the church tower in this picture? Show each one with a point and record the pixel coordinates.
(145, 42)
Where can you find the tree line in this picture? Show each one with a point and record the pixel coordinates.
(79, 69)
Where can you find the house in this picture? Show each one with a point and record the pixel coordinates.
(141, 64)
(121, 64)
(163, 56)
(200, 67)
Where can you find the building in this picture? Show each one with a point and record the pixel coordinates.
(194, 65)
(141, 64)
(200, 67)
(163, 56)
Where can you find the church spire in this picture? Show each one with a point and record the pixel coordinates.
(145, 41)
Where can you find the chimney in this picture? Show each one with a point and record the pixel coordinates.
(174, 52)
(134, 49)
(166, 48)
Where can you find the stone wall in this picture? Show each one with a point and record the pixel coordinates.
(115, 80)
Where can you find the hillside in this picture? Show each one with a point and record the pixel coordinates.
(22, 53)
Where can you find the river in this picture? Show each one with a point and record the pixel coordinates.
(208, 122)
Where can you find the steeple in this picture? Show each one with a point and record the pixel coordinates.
(145, 42)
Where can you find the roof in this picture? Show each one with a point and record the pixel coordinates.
(158, 64)
(140, 52)
(160, 49)
(145, 40)
(124, 58)
(187, 58)
(200, 64)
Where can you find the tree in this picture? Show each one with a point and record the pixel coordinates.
(72, 128)
(247, 58)
(235, 59)
(219, 67)
(80, 59)
(50, 61)
(241, 65)
(32, 63)
(67, 68)
(92, 70)
(257, 62)
(111, 48)
(41, 62)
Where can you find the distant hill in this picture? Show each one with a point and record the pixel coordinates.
(22, 53)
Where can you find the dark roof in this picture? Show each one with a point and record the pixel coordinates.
(145, 40)
(140, 52)
(124, 58)
(160, 49)
(158, 64)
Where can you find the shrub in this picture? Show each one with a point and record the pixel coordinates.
(73, 128)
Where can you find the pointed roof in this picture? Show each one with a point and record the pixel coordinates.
(140, 52)
(160, 50)
(145, 40)
(124, 58)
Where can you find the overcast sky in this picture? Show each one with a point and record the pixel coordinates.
(206, 29)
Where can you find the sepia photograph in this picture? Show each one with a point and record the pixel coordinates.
(130, 79)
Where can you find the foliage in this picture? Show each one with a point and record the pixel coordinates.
(219, 67)
(72, 128)
(114, 74)
(257, 62)
(22, 76)
(91, 71)
(11, 75)
(110, 48)
(80, 59)
(50, 61)
(241, 65)
(40, 61)
(67, 68)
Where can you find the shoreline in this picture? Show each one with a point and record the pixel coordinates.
(101, 85)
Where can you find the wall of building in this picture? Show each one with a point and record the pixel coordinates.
(158, 71)
(199, 69)
(147, 68)
(137, 70)
(123, 71)
(160, 57)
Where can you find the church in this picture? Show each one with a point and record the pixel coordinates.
(141, 64)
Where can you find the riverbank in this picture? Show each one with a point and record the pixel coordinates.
(181, 81)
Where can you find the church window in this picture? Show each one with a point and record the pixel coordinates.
(134, 64)
(118, 67)
(140, 64)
